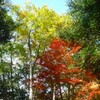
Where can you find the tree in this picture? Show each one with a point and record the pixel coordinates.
(85, 29)
(6, 22)
(11, 75)
(59, 72)
(86, 15)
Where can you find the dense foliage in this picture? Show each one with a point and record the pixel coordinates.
(6, 22)
(59, 77)
(34, 65)
(86, 30)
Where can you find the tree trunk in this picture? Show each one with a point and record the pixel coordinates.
(11, 63)
(4, 91)
(68, 98)
(31, 83)
(60, 92)
(73, 96)
(31, 69)
(53, 93)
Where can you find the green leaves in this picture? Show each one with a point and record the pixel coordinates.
(7, 24)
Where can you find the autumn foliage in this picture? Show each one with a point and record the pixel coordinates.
(59, 74)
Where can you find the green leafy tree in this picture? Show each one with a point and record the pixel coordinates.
(85, 29)
(11, 75)
(86, 15)
(6, 22)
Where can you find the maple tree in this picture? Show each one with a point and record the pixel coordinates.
(59, 78)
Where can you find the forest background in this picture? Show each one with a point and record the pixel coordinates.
(49, 56)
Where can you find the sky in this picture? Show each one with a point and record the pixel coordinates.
(59, 6)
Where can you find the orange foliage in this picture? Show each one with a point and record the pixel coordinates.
(74, 49)
(89, 90)
(39, 86)
(56, 60)
(57, 44)
(55, 63)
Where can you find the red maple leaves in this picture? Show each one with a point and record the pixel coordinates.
(55, 67)
(55, 63)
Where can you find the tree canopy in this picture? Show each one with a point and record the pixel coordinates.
(6, 22)
(51, 56)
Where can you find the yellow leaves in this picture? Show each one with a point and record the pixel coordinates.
(89, 91)
(66, 20)
(45, 23)
(94, 86)
(21, 14)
